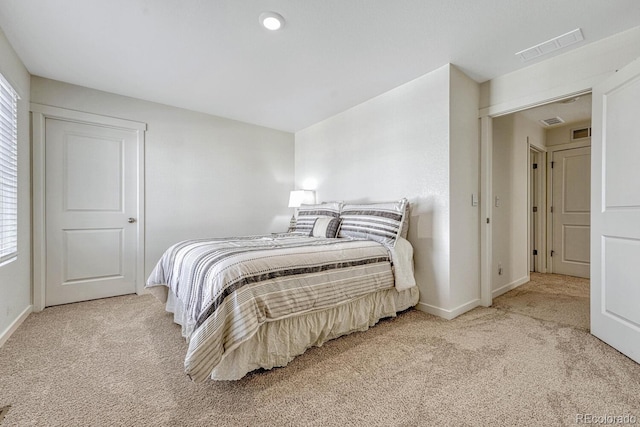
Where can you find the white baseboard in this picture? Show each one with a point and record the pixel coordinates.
(509, 286)
(445, 313)
(14, 325)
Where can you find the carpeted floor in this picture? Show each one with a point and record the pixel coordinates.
(529, 360)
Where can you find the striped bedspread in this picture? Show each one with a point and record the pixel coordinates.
(229, 287)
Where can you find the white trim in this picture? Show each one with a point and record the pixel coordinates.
(547, 97)
(140, 273)
(37, 206)
(570, 145)
(541, 202)
(82, 117)
(538, 147)
(486, 195)
(4, 336)
(510, 286)
(39, 115)
(448, 314)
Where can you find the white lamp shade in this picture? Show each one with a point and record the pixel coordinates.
(301, 197)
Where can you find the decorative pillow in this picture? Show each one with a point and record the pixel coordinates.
(381, 222)
(307, 215)
(325, 227)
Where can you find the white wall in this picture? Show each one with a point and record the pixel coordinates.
(464, 175)
(204, 175)
(512, 135)
(15, 276)
(404, 143)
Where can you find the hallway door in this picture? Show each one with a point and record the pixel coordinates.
(571, 187)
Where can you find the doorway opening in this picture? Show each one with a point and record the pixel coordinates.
(540, 175)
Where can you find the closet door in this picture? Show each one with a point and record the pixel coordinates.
(91, 206)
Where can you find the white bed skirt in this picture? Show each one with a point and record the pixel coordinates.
(277, 342)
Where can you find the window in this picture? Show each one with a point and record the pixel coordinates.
(581, 133)
(8, 171)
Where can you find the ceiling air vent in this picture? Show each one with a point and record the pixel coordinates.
(551, 45)
(552, 121)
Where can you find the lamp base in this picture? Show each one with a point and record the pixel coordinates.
(292, 223)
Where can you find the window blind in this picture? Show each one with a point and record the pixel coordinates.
(8, 171)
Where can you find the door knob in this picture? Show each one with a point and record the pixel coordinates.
(131, 220)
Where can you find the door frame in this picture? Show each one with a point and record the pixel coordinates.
(540, 196)
(486, 116)
(39, 114)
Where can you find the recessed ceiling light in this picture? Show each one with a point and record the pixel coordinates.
(570, 100)
(271, 21)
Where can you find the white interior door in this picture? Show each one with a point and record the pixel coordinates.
(615, 224)
(91, 210)
(571, 175)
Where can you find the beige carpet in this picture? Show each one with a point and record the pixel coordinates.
(527, 361)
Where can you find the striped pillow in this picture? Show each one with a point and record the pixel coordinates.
(307, 215)
(381, 222)
(325, 227)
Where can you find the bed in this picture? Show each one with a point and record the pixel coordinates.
(253, 302)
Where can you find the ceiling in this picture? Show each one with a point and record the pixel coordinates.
(212, 56)
(571, 110)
